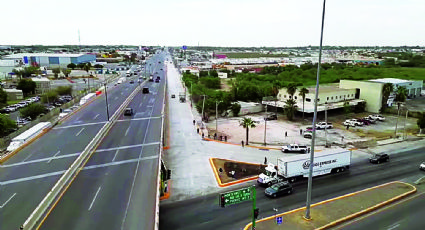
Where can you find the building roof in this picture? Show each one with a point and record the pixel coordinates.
(326, 89)
(40, 79)
(390, 80)
(13, 90)
(21, 55)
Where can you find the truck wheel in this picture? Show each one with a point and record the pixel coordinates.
(337, 170)
(303, 151)
(274, 195)
(285, 151)
(342, 169)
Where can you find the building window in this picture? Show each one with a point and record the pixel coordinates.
(284, 96)
(327, 98)
(289, 96)
(352, 95)
(295, 97)
(332, 98)
(308, 99)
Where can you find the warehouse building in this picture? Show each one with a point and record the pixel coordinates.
(49, 59)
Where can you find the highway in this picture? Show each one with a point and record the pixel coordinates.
(27, 177)
(118, 189)
(205, 213)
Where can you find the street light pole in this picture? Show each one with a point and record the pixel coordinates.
(396, 122)
(310, 173)
(326, 121)
(203, 105)
(405, 135)
(106, 99)
(265, 127)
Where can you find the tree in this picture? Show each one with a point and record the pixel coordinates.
(56, 72)
(247, 123)
(71, 66)
(32, 110)
(66, 72)
(386, 91)
(81, 65)
(98, 66)
(290, 108)
(49, 97)
(421, 122)
(87, 67)
(236, 108)
(347, 108)
(3, 98)
(64, 90)
(401, 94)
(27, 86)
(6, 124)
(302, 93)
(291, 88)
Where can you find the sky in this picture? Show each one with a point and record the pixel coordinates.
(225, 23)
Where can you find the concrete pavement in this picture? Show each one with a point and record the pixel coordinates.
(188, 155)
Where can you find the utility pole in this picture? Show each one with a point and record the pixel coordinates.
(326, 121)
(216, 116)
(396, 123)
(265, 127)
(203, 105)
(106, 99)
(405, 135)
(310, 174)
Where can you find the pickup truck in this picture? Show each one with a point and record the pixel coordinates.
(324, 125)
(294, 148)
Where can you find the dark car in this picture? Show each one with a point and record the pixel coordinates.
(279, 189)
(131, 82)
(128, 112)
(157, 80)
(145, 90)
(173, 96)
(365, 122)
(379, 158)
(271, 117)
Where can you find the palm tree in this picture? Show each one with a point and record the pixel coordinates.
(401, 94)
(290, 107)
(247, 123)
(386, 91)
(302, 93)
(291, 88)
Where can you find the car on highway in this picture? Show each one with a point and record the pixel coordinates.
(379, 158)
(279, 189)
(128, 112)
(422, 166)
(145, 90)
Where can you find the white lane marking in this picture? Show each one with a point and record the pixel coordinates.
(85, 168)
(96, 116)
(79, 132)
(115, 156)
(54, 156)
(131, 192)
(71, 126)
(143, 118)
(127, 147)
(7, 201)
(140, 104)
(126, 132)
(29, 155)
(393, 226)
(91, 205)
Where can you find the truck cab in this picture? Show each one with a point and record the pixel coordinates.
(269, 176)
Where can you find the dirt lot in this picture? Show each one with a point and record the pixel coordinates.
(276, 130)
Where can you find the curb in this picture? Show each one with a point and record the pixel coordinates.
(250, 146)
(354, 215)
(168, 193)
(217, 177)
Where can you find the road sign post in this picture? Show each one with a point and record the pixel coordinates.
(253, 206)
(235, 197)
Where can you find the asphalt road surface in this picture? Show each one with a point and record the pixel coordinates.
(118, 189)
(205, 213)
(27, 177)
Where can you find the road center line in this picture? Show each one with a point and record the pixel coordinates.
(79, 132)
(53, 157)
(126, 132)
(91, 205)
(96, 116)
(7, 201)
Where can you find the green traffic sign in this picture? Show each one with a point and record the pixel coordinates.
(235, 197)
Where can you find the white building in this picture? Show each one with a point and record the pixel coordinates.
(50, 60)
(413, 88)
(42, 84)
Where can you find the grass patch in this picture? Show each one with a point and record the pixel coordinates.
(333, 210)
(242, 170)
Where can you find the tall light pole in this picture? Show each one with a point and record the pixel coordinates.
(216, 116)
(326, 125)
(203, 105)
(396, 122)
(265, 127)
(106, 100)
(405, 135)
(310, 174)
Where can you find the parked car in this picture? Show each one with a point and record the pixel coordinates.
(173, 96)
(422, 166)
(377, 117)
(379, 158)
(323, 125)
(355, 122)
(308, 134)
(279, 189)
(365, 121)
(131, 82)
(271, 117)
(349, 123)
(371, 121)
(128, 112)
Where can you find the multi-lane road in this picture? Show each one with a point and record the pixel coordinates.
(205, 213)
(116, 189)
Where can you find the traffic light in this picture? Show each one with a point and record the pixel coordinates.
(256, 213)
(222, 200)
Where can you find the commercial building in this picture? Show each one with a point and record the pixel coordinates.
(413, 88)
(50, 60)
(14, 94)
(42, 84)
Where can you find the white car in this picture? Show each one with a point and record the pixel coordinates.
(377, 117)
(422, 166)
(323, 125)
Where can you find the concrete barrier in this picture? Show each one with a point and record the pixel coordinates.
(44, 208)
